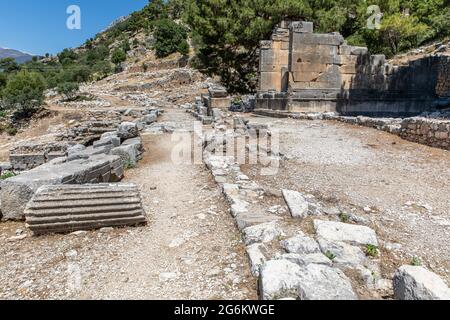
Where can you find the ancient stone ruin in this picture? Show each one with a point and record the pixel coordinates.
(69, 208)
(303, 71)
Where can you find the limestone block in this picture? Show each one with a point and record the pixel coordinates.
(18, 190)
(302, 27)
(417, 283)
(309, 67)
(350, 233)
(330, 39)
(69, 208)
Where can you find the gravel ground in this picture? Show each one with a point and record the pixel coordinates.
(399, 188)
(189, 250)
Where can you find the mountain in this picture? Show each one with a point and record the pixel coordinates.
(19, 56)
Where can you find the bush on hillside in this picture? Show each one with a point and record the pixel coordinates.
(68, 89)
(170, 37)
(24, 94)
(118, 56)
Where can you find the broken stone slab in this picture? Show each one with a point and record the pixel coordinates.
(128, 154)
(137, 144)
(265, 232)
(344, 232)
(109, 141)
(344, 255)
(89, 152)
(321, 282)
(282, 279)
(18, 190)
(70, 208)
(417, 283)
(253, 218)
(296, 202)
(300, 244)
(257, 258)
(150, 118)
(108, 135)
(127, 130)
(5, 166)
(279, 279)
(75, 149)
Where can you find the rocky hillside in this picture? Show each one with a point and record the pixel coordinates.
(18, 56)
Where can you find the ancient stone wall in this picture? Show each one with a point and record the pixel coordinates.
(443, 83)
(432, 132)
(325, 74)
(274, 60)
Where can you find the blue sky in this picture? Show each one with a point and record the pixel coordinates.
(39, 26)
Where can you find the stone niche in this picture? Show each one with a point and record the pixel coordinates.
(302, 71)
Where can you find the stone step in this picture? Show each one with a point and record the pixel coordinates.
(68, 208)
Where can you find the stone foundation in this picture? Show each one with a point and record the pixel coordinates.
(431, 132)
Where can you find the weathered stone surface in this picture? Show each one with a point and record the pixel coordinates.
(305, 259)
(417, 283)
(300, 244)
(320, 282)
(265, 232)
(18, 190)
(256, 257)
(279, 279)
(110, 141)
(128, 154)
(350, 233)
(344, 254)
(69, 208)
(127, 130)
(150, 118)
(296, 202)
(75, 149)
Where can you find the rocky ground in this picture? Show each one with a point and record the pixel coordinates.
(189, 250)
(377, 179)
(191, 247)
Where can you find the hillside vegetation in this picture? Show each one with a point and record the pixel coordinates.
(225, 35)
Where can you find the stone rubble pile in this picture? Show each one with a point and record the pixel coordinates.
(27, 156)
(102, 162)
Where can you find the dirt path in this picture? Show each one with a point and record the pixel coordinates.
(190, 249)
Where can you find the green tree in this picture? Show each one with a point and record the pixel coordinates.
(9, 65)
(3, 80)
(170, 37)
(24, 93)
(68, 89)
(403, 32)
(118, 56)
(228, 32)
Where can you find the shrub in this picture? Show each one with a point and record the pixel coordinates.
(68, 89)
(24, 94)
(7, 174)
(371, 251)
(170, 37)
(118, 56)
(416, 262)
